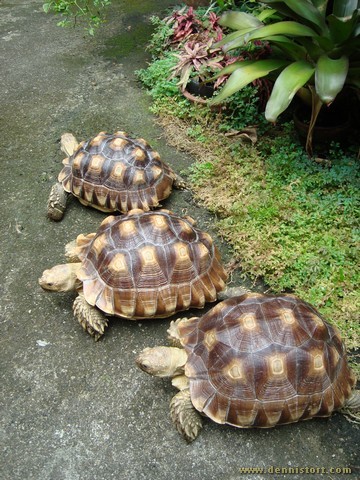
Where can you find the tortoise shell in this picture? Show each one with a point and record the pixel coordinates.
(259, 361)
(117, 173)
(149, 264)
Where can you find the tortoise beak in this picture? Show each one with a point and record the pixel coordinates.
(142, 361)
(42, 281)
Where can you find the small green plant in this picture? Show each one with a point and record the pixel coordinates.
(156, 77)
(243, 5)
(197, 132)
(290, 221)
(87, 12)
(160, 39)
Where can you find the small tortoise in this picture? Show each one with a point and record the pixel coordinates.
(111, 172)
(139, 265)
(254, 361)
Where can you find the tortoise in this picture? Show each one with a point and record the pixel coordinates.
(138, 265)
(111, 172)
(254, 360)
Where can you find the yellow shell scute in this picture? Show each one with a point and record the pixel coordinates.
(118, 263)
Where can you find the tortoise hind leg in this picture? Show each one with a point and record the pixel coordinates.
(89, 317)
(186, 419)
(179, 183)
(351, 409)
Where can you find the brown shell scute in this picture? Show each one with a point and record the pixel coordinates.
(150, 264)
(113, 172)
(258, 361)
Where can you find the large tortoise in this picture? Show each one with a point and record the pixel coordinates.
(111, 172)
(254, 361)
(138, 265)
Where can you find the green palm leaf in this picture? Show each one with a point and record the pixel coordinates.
(287, 46)
(307, 10)
(293, 29)
(290, 80)
(245, 74)
(233, 40)
(344, 8)
(330, 76)
(239, 20)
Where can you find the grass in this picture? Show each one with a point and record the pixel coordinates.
(291, 222)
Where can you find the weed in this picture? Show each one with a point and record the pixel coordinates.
(88, 12)
(160, 37)
(155, 77)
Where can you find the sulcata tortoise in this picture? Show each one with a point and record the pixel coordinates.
(111, 172)
(254, 361)
(138, 265)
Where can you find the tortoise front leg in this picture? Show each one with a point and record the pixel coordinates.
(74, 248)
(57, 202)
(89, 317)
(68, 144)
(185, 417)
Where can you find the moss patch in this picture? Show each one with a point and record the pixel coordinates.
(132, 39)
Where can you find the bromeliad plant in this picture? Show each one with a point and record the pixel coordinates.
(192, 40)
(197, 58)
(314, 53)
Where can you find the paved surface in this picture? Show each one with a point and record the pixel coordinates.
(71, 408)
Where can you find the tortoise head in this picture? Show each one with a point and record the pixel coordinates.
(61, 278)
(162, 361)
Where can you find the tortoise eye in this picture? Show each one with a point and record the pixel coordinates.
(144, 366)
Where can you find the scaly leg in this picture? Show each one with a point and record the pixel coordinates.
(351, 409)
(57, 202)
(68, 144)
(186, 419)
(180, 183)
(89, 317)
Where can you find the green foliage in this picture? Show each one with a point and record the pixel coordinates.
(201, 172)
(291, 222)
(319, 53)
(243, 5)
(87, 12)
(156, 77)
(241, 110)
(197, 132)
(160, 37)
(245, 104)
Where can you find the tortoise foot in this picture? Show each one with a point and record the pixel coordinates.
(90, 318)
(57, 202)
(185, 417)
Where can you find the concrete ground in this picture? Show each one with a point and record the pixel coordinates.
(71, 408)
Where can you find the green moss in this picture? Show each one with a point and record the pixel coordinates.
(127, 42)
(139, 6)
